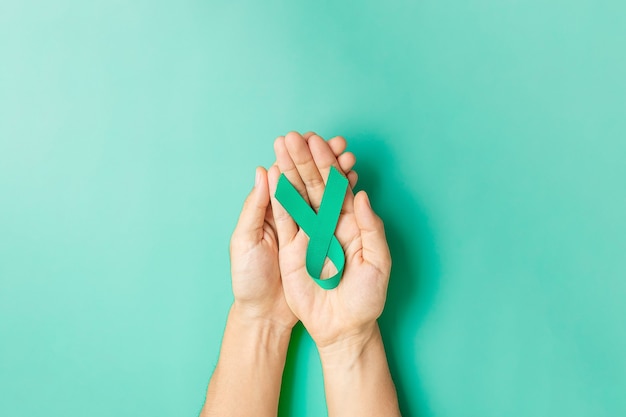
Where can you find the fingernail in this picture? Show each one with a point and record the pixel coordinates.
(257, 178)
(367, 200)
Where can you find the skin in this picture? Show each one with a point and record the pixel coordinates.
(342, 321)
(247, 378)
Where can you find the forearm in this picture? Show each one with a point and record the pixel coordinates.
(357, 378)
(247, 378)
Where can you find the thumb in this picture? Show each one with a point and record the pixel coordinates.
(286, 228)
(375, 248)
(252, 215)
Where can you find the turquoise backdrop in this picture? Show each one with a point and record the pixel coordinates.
(491, 135)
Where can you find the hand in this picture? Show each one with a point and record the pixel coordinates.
(255, 271)
(348, 313)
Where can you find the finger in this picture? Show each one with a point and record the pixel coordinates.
(269, 217)
(353, 177)
(286, 228)
(308, 134)
(307, 169)
(346, 161)
(252, 217)
(288, 167)
(337, 144)
(375, 249)
(324, 159)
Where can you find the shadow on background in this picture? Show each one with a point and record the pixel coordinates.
(414, 274)
(288, 397)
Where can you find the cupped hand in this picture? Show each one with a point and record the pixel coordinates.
(255, 271)
(348, 313)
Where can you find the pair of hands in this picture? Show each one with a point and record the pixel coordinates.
(268, 250)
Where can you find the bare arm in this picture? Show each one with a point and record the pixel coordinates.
(357, 378)
(246, 381)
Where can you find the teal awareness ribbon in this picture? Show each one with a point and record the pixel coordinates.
(320, 226)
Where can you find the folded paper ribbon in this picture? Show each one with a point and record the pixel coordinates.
(320, 226)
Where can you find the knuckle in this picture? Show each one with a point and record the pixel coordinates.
(281, 216)
(314, 182)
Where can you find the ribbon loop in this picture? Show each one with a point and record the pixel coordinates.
(320, 227)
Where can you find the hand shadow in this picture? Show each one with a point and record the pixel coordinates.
(289, 397)
(414, 273)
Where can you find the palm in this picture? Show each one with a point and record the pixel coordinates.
(358, 299)
(256, 274)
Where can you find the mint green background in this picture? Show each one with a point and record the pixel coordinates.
(491, 135)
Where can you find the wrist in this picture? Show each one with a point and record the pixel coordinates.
(356, 377)
(253, 340)
(252, 320)
(350, 348)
